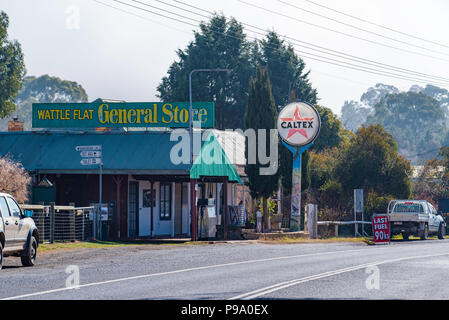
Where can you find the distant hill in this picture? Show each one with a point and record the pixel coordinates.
(418, 119)
(43, 89)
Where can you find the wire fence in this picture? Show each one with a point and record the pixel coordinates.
(62, 223)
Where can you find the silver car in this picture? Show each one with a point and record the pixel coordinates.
(18, 234)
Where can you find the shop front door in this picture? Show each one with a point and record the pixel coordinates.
(145, 203)
(133, 209)
(181, 209)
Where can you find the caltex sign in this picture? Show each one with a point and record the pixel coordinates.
(298, 124)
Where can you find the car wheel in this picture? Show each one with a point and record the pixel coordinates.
(1, 256)
(405, 236)
(441, 231)
(29, 258)
(425, 233)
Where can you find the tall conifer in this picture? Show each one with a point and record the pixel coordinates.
(261, 113)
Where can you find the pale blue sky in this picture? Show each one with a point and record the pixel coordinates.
(120, 56)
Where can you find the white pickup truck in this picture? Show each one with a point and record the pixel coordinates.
(415, 217)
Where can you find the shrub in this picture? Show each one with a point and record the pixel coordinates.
(14, 179)
(376, 204)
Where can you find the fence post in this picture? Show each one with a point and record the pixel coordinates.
(82, 236)
(312, 210)
(41, 223)
(306, 219)
(52, 222)
(336, 230)
(72, 221)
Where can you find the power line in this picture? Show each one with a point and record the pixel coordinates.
(339, 54)
(320, 48)
(168, 18)
(426, 152)
(158, 14)
(138, 16)
(377, 25)
(334, 62)
(309, 55)
(361, 29)
(340, 32)
(375, 71)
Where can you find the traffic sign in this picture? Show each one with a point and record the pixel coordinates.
(91, 154)
(381, 229)
(358, 200)
(90, 161)
(88, 148)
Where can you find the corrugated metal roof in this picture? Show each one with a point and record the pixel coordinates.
(213, 162)
(123, 152)
(49, 151)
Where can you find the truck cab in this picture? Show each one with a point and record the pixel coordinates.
(415, 217)
(18, 234)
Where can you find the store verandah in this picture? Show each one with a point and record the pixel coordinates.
(147, 196)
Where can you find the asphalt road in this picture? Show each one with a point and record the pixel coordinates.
(402, 270)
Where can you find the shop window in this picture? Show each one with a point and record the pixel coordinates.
(148, 198)
(165, 202)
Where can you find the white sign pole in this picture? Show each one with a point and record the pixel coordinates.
(92, 155)
(298, 125)
(358, 208)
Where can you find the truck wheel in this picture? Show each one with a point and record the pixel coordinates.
(425, 232)
(405, 236)
(441, 231)
(29, 257)
(1, 256)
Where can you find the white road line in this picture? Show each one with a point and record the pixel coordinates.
(282, 285)
(191, 269)
(183, 270)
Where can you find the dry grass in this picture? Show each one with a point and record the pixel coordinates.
(48, 247)
(302, 240)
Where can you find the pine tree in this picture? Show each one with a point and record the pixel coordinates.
(219, 43)
(261, 113)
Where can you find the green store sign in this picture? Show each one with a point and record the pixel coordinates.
(121, 114)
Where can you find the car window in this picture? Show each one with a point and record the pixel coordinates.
(408, 207)
(15, 210)
(4, 208)
(434, 211)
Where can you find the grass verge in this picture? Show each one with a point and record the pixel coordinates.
(48, 247)
(302, 240)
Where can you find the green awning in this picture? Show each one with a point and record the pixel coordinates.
(213, 162)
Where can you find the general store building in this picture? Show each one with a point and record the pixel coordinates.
(147, 195)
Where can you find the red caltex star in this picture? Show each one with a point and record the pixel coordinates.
(297, 117)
